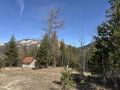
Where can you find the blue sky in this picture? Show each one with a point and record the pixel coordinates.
(24, 18)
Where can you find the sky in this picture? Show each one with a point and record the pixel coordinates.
(24, 19)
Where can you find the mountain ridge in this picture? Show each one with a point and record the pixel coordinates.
(34, 42)
(28, 42)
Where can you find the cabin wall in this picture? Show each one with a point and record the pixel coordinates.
(24, 65)
(31, 65)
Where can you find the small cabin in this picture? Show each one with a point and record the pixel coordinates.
(29, 62)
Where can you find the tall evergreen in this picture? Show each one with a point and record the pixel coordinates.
(43, 54)
(114, 25)
(69, 54)
(63, 53)
(25, 50)
(54, 48)
(32, 51)
(105, 58)
(100, 59)
(22, 53)
(11, 51)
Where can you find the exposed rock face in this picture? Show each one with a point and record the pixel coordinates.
(28, 42)
(33, 42)
(2, 44)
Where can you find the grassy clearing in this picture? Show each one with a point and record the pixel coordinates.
(18, 78)
(28, 79)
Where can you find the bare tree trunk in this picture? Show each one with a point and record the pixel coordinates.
(54, 62)
(82, 53)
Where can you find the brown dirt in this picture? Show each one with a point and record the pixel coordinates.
(28, 79)
(18, 78)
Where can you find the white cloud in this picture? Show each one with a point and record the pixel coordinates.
(21, 6)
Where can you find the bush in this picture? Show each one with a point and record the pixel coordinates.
(74, 65)
(82, 82)
(67, 80)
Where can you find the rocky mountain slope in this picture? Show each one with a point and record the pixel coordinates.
(28, 42)
(33, 42)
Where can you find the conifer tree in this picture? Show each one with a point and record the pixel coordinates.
(67, 81)
(114, 26)
(100, 58)
(63, 53)
(54, 48)
(43, 54)
(22, 53)
(11, 51)
(32, 51)
(25, 50)
(105, 58)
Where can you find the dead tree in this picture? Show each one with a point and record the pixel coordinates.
(82, 61)
(53, 24)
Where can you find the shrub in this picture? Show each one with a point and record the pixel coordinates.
(67, 80)
(75, 65)
(82, 82)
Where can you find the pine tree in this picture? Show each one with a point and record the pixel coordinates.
(25, 50)
(114, 25)
(67, 80)
(43, 54)
(11, 51)
(69, 54)
(22, 53)
(21, 56)
(100, 58)
(105, 58)
(32, 51)
(54, 49)
(63, 53)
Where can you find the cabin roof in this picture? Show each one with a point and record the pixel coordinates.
(28, 59)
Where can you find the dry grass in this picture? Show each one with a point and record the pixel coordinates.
(28, 79)
(18, 78)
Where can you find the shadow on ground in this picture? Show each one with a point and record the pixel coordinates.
(78, 78)
(90, 81)
(110, 83)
